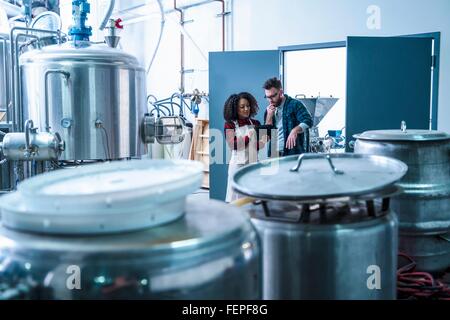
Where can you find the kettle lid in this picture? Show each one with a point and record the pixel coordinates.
(102, 198)
(318, 177)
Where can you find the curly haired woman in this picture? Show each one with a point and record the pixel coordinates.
(241, 135)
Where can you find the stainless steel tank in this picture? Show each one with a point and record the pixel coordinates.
(137, 242)
(430, 252)
(326, 230)
(424, 207)
(5, 97)
(5, 72)
(92, 95)
(329, 259)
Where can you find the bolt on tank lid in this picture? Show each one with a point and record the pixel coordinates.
(404, 134)
(105, 198)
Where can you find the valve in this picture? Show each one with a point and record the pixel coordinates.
(79, 31)
(32, 145)
(164, 130)
(118, 24)
(113, 29)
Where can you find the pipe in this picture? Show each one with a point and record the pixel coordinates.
(47, 113)
(28, 11)
(182, 102)
(223, 23)
(181, 46)
(188, 36)
(15, 77)
(28, 127)
(16, 18)
(181, 28)
(4, 39)
(15, 70)
(11, 10)
(48, 13)
(185, 7)
(161, 31)
(109, 12)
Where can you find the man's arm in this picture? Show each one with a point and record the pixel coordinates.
(304, 118)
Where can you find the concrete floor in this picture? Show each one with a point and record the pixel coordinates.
(200, 195)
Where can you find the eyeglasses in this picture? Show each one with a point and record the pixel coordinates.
(272, 96)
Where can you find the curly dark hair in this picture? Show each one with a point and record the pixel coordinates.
(272, 83)
(230, 110)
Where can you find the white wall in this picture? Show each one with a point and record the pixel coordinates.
(270, 24)
(203, 28)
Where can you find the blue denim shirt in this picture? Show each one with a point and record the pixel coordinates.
(294, 113)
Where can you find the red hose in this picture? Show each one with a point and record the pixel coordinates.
(419, 285)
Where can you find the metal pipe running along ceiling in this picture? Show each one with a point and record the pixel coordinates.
(179, 7)
(183, 5)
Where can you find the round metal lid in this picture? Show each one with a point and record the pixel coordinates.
(318, 177)
(403, 134)
(80, 52)
(105, 198)
(399, 135)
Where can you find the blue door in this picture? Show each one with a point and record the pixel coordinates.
(388, 81)
(234, 72)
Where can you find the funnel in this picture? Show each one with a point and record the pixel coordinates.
(318, 107)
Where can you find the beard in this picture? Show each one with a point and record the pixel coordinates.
(278, 103)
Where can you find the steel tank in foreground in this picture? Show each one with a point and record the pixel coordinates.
(94, 96)
(125, 239)
(326, 229)
(424, 207)
(330, 259)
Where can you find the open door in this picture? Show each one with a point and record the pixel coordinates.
(388, 81)
(234, 72)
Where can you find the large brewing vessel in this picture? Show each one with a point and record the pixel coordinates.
(92, 95)
(125, 231)
(424, 207)
(325, 224)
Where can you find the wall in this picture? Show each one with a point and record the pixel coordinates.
(202, 30)
(269, 24)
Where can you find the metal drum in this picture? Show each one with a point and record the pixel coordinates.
(127, 238)
(92, 95)
(326, 229)
(424, 207)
